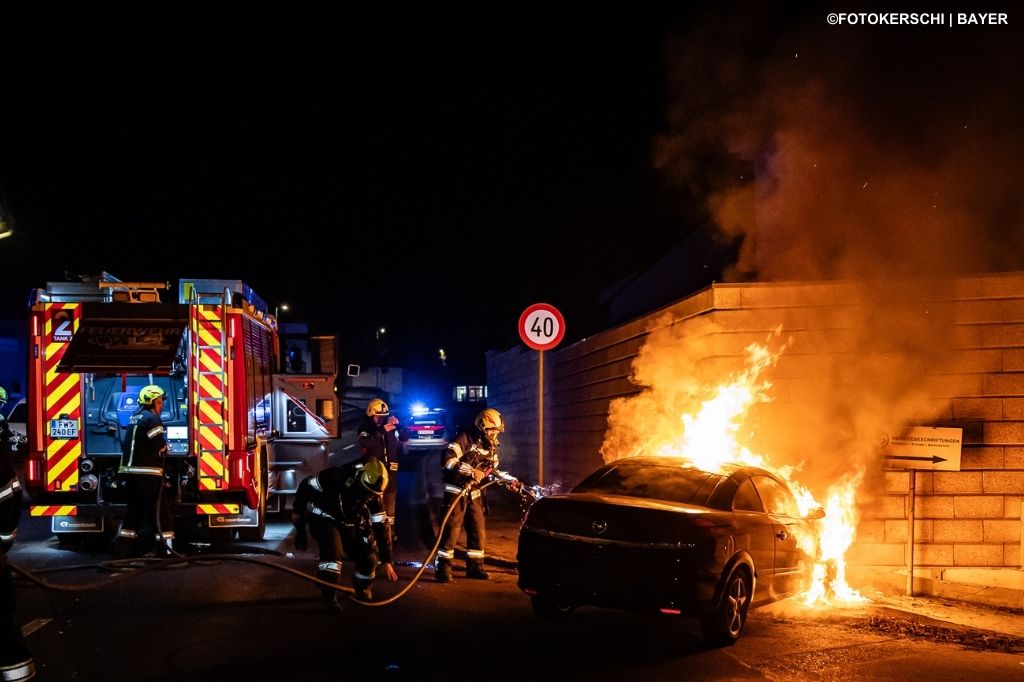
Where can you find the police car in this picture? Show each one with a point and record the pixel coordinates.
(427, 429)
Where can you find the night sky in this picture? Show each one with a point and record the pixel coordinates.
(434, 171)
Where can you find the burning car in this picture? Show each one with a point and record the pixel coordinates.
(653, 533)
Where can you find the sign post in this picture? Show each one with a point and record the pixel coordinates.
(541, 327)
(921, 447)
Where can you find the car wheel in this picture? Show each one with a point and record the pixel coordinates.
(549, 608)
(724, 625)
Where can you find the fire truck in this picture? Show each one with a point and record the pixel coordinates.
(241, 433)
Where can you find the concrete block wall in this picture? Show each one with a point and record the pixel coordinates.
(969, 518)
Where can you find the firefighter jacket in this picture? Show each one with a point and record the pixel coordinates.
(378, 443)
(470, 457)
(144, 445)
(337, 496)
(10, 490)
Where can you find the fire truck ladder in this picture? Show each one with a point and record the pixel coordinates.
(209, 388)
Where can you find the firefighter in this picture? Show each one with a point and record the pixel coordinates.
(15, 660)
(345, 511)
(142, 474)
(470, 460)
(379, 440)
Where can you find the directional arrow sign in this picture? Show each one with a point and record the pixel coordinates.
(924, 447)
(933, 459)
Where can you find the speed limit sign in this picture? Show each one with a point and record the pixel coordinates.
(541, 326)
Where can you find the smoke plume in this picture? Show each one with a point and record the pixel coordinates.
(884, 161)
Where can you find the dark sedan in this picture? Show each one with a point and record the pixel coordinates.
(657, 534)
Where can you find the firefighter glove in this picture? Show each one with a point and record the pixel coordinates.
(479, 475)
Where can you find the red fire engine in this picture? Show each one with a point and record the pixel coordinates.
(240, 434)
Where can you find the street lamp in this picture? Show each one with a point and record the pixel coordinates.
(380, 333)
(278, 308)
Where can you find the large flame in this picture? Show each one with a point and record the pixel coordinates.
(714, 434)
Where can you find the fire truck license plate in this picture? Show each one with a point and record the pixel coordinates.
(63, 428)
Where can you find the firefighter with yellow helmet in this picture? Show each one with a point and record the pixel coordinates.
(470, 460)
(379, 440)
(142, 473)
(344, 508)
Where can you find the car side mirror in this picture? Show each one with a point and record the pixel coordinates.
(818, 513)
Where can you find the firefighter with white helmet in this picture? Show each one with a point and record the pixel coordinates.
(345, 510)
(142, 472)
(379, 440)
(470, 460)
(15, 660)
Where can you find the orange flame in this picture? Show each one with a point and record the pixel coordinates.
(713, 435)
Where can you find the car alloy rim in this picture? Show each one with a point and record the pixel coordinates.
(736, 600)
(599, 526)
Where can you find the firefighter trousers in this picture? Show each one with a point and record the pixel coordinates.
(469, 510)
(15, 660)
(336, 543)
(390, 502)
(138, 533)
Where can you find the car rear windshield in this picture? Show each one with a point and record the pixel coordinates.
(671, 484)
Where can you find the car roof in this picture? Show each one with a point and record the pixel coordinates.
(735, 471)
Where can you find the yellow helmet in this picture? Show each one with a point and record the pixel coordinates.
(490, 419)
(3, 394)
(149, 394)
(374, 477)
(377, 408)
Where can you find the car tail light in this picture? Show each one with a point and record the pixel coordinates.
(671, 612)
(692, 530)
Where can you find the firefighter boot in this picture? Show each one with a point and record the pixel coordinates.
(443, 571)
(476, 571)
(329, 599)
(329, 596)
(362, 583)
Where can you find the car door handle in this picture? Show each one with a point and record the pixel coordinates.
(782, 535)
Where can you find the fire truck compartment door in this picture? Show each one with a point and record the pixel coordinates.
(126, 337)
(305, 406)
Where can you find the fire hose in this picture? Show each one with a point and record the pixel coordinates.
(138, 566)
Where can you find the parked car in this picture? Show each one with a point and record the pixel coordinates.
(427, 430)
(657, 534)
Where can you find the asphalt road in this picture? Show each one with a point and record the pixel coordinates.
(224, 621)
